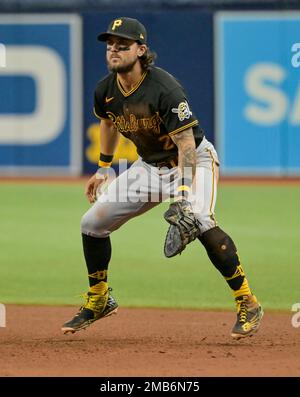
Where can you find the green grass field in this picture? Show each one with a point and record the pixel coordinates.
(41, 259)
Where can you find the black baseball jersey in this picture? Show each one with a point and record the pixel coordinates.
(149, 114)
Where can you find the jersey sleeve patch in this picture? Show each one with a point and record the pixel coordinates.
(182, 111)
(176, 112)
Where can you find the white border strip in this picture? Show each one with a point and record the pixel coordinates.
(76, 96)
(37, 19)
(218, 87)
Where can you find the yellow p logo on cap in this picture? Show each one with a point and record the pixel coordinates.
(116, 24)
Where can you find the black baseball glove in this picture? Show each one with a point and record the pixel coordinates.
(183, 229)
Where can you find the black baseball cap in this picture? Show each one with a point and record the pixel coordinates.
(127, 28)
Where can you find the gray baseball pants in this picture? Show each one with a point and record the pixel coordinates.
(142, 187)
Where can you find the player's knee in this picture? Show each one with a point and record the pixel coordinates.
(220, 249)
(93, 225)
(207, 222)
(85, 224)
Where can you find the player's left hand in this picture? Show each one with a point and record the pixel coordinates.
(184, 227)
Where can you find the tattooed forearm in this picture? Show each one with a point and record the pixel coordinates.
(186, 153)
(187, 159)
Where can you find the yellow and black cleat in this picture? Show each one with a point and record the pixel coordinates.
(95, 308)
(249, 315)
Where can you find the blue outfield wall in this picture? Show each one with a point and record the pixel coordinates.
(241, 71)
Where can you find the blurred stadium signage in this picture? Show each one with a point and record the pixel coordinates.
(2, 56)
(40, 111)
(257, 92)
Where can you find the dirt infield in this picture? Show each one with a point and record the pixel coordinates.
(145, 342)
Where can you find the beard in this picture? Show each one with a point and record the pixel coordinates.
(122, 68)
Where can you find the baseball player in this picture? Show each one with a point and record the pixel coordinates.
(150, 107)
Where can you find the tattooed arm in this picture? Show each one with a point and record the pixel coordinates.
(185, 142)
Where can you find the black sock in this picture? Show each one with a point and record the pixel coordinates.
(97, 253)
(222, 252)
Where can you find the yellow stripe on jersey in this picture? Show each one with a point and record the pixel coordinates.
(99, 117)
(184, 127)
(126, 94)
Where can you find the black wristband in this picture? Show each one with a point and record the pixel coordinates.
(106, 158)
